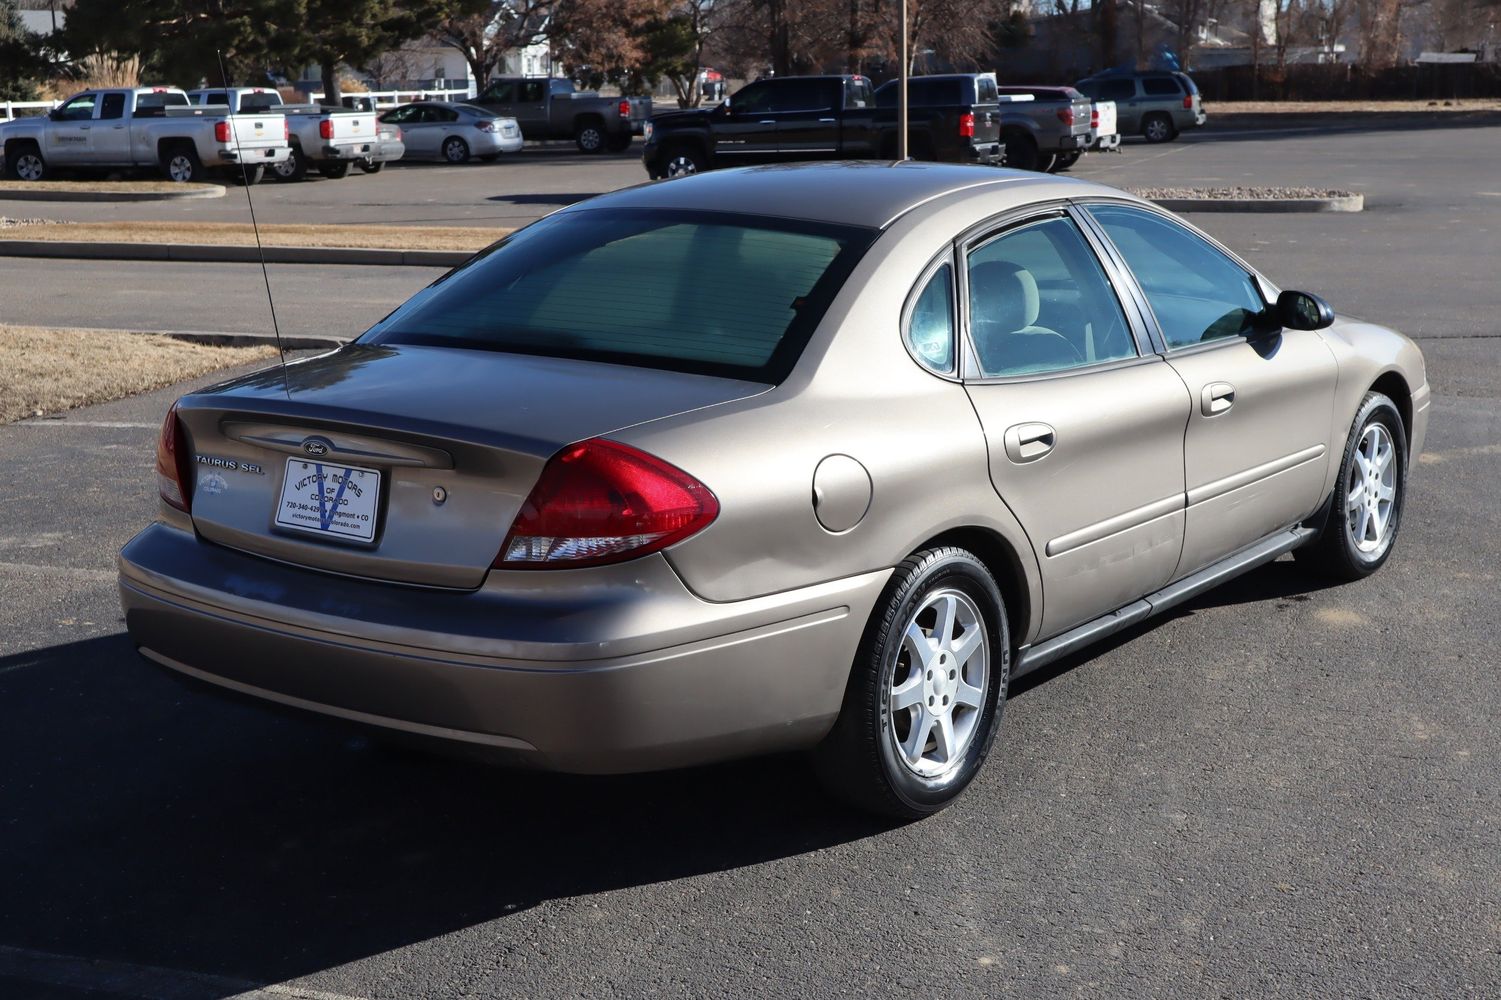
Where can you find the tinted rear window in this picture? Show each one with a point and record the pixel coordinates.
(1158, 86)
(158, 100)
(926, 93)
(705, 292)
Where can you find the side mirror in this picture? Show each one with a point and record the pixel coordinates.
(1303, 311)
(56, 114)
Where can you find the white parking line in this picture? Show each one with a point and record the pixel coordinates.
(141, 982)
(84, 423)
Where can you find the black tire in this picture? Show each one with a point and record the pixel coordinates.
(1064, 161)
(684, 159)
(247, 176)
(1158, 127)
(336, 171)
(589, 136)
(181, 165)
(293, 168)
(1047, 162)
(489, 158)
(1335, 553)
(372, 166)
(454, 150)
(859, 760)
(24, 162)
(619, 142)
(1021, 151)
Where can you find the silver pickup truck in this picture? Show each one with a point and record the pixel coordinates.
(142, 127)
(329, 140)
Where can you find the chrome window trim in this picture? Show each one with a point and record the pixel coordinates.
(978, 236)
(929, 271)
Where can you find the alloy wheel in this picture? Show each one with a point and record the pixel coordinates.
(180, 168)
(454, 151)
(1371, 491)
(590, 139)
(939, 684)
(1157, 130)
(29, 167)
(681, 166)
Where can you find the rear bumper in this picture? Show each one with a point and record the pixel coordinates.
(988, 153)
(1071, 142)
(1106, 143)
(626, 671)
(346, 151)
(255, 157)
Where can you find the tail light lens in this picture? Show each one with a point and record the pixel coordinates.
(601, 502)
(488, 126)
(1066, 115)
(1188, 102)
(625, 108)
(221, 131)
(286, 130)
(967, 125)
(174, 467)
(1094, 118)
(326, 128)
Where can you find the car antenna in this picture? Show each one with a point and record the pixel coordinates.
(286, 384)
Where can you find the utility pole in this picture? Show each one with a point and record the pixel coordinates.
(901, 93)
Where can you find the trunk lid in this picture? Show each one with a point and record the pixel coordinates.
(437, 448)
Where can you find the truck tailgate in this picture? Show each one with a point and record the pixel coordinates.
(1106, 122)
(256, 131)
(351, 126)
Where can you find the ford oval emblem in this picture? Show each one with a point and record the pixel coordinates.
(315, 447)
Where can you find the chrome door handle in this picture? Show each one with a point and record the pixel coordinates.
(768, 121)
(1216, 398)
(826, 120)
(1029, 442)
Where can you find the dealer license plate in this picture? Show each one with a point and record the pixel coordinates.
(329, 499)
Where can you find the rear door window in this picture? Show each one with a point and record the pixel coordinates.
(1114, 90)
(803, 95)
(704, 292)
(113, 106)
(1161, 86)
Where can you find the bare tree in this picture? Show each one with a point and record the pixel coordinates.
(483, 32)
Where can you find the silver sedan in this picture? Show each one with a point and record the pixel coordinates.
(453, 133)
(818, 458)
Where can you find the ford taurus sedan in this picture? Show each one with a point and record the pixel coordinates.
(918, 430)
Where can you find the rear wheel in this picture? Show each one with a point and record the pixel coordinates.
(1047, 162)
(372, 166)
(926, 691)
(455, 150)
(1021, 151)
(589, 136)
(335, 171)
(1158, 127)
(249, 176)
(1065, 160)
(181, 165)
(24, 162)
(293, 168)
(1366, 509)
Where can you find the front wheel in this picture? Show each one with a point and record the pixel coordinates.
(181, 165)
(455, 150)
(684, 161)
(293, 168)
(926, 691)
(1366, 509)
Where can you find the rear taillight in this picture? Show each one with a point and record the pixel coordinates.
(600, 502)
(1066, 115)
(967, 125)
(174, 466)
(488, 126)
(625, 109)
(1188, 102)
(1094, 118)
(286, 130)
(221, 131)
(326, 128)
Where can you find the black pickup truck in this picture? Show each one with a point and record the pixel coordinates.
(791, 118)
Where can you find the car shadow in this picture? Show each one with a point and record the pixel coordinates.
(544, 198)
(146, 823)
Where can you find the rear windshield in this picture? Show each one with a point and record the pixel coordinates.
(160, 100)
(926, 93)
(705, 292)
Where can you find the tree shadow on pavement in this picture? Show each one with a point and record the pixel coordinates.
(146, 823)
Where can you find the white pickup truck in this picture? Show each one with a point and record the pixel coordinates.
(330, 140)
(142, 127)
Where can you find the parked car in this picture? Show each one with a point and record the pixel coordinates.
(953, 118)
(1054, 127)
(143, 127)
(1155, 105)
(327, 139)
(453, 132)
(550, 108)
(797, 500)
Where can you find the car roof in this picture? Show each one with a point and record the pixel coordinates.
(872, 193)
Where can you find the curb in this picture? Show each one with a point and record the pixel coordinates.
(216, 338)
(1352, 203)
(206, 253)
(191, 194)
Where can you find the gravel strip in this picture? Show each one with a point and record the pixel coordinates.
(1239, 193)
(9, 223)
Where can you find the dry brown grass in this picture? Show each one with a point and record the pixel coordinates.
(102, 187)
(1346, 107)
(46, 371)
(287, 235)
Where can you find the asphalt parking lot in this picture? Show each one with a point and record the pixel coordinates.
(1286, 789)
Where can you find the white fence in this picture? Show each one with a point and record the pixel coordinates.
(391, 98)
(8, 109)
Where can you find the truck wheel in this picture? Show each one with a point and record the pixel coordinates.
(1158, 127)
(589, 136)
(181, 165)
(455, 150)
(335, 171)
(619, 143)
(1047, 162)
(1064, 161)
(293, 168)
(372, 166)
(1021, 151)
(683, 161)
(247, 176)
(23, 162)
